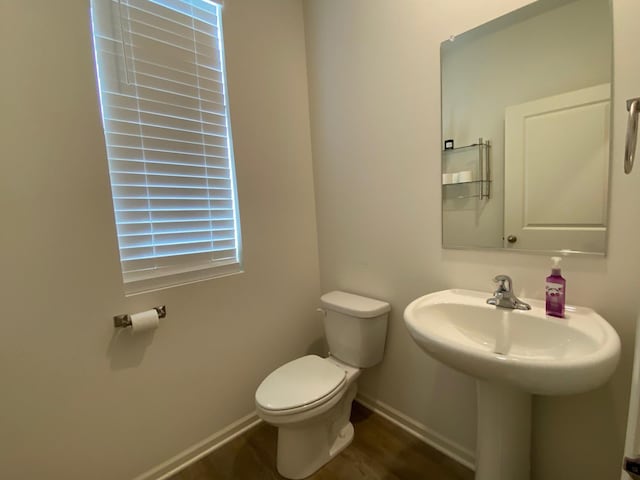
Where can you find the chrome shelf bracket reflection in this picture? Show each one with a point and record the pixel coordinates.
(633, 107)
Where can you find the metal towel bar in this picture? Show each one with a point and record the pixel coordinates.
(633, 107)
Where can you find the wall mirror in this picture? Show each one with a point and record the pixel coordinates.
(525, 130)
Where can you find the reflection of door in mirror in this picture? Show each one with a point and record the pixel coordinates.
(556, 155)
(546, 49)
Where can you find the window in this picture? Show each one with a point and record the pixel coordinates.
(165, 114)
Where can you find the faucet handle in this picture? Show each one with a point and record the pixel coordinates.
(504, 283)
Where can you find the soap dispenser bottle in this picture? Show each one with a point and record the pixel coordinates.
(555, 290)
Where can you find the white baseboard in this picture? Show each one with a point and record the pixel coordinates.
(201, 449)
(451, 449)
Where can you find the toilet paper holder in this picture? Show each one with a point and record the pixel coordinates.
(124, 320)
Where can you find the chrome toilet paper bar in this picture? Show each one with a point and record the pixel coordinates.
(124, 320)
(633, 107)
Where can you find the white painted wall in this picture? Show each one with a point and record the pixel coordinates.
(375, 105)
(482, 74)
(76, 400)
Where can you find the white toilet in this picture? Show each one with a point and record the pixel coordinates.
(309, 399)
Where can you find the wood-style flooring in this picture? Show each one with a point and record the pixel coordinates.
(380, 451)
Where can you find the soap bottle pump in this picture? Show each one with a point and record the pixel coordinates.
(555, 287)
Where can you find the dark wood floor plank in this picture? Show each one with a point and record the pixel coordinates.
(380, 451)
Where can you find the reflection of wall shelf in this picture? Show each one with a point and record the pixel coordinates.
(464, 183)
(450, 196)
(465, 147)
(483, 148)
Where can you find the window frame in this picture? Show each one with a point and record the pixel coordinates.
(182, 268)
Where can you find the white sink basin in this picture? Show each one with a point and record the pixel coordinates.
(525, 349)
(512, 354)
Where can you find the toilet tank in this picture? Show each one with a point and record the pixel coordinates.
(356, 327)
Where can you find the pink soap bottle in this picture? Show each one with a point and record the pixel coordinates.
(555, 287)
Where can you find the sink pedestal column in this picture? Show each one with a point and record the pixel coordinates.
(504, 432)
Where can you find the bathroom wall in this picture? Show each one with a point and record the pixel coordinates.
(507, 67)
(77, 400)
(374, 77)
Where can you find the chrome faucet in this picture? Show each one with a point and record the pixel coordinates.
(503, 296)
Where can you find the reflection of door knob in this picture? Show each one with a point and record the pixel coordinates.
(512, 239)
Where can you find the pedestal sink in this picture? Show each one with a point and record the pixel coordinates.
(512, 354)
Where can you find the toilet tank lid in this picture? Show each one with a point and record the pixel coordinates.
(355, 305)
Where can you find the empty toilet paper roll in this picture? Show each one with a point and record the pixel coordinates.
(144, 321)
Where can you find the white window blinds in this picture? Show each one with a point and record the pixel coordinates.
(166, 121)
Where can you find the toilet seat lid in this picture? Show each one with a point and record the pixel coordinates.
(299, 382)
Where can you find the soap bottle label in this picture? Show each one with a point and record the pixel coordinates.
(555, 299)
(554, 289)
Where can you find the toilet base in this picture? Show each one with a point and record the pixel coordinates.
(304, 448)
(345, 437)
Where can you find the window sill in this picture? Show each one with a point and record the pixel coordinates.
(140, 285)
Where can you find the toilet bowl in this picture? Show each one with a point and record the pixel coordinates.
(313, 426)
(309, 399)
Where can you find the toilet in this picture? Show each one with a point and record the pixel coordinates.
(309, 399)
